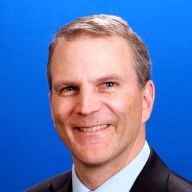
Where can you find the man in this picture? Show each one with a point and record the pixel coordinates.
(101, 96)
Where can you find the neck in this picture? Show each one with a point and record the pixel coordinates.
(95, 175)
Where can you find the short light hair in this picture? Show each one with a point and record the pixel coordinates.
(105, 26)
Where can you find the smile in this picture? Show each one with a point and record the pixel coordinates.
(94, 128)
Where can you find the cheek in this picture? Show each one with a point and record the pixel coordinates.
(61, 111)
(120, 105)
(127, 108)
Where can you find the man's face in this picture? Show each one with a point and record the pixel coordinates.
(97, 107)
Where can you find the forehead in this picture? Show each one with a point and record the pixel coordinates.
(92, 56)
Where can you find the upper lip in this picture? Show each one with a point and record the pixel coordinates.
(90, 126)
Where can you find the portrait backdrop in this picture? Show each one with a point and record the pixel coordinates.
(30, 149)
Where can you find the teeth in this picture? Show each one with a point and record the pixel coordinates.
(93, 129)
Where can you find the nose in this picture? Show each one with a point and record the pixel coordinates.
(88, 102)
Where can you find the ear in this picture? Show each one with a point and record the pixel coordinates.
(148, 100)
(51, 104)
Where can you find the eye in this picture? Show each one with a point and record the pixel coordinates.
(68, 90)
(110, 84)
(108, 87)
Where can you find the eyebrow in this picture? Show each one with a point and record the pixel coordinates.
(111, 77)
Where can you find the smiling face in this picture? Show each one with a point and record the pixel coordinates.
(97, 106)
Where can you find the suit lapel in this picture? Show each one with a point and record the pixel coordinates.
(66, 188)
(62, 183)
(153, 177)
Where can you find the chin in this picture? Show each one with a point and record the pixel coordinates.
(91, 160)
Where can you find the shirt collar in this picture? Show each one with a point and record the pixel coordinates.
(123, 180)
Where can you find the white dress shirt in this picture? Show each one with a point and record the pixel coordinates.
(123, 180)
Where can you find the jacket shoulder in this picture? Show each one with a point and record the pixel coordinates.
(53, 184)
(177, 184)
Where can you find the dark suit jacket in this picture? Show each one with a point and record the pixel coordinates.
(155, 177)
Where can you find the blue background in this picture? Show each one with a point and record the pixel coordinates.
(30, 149)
